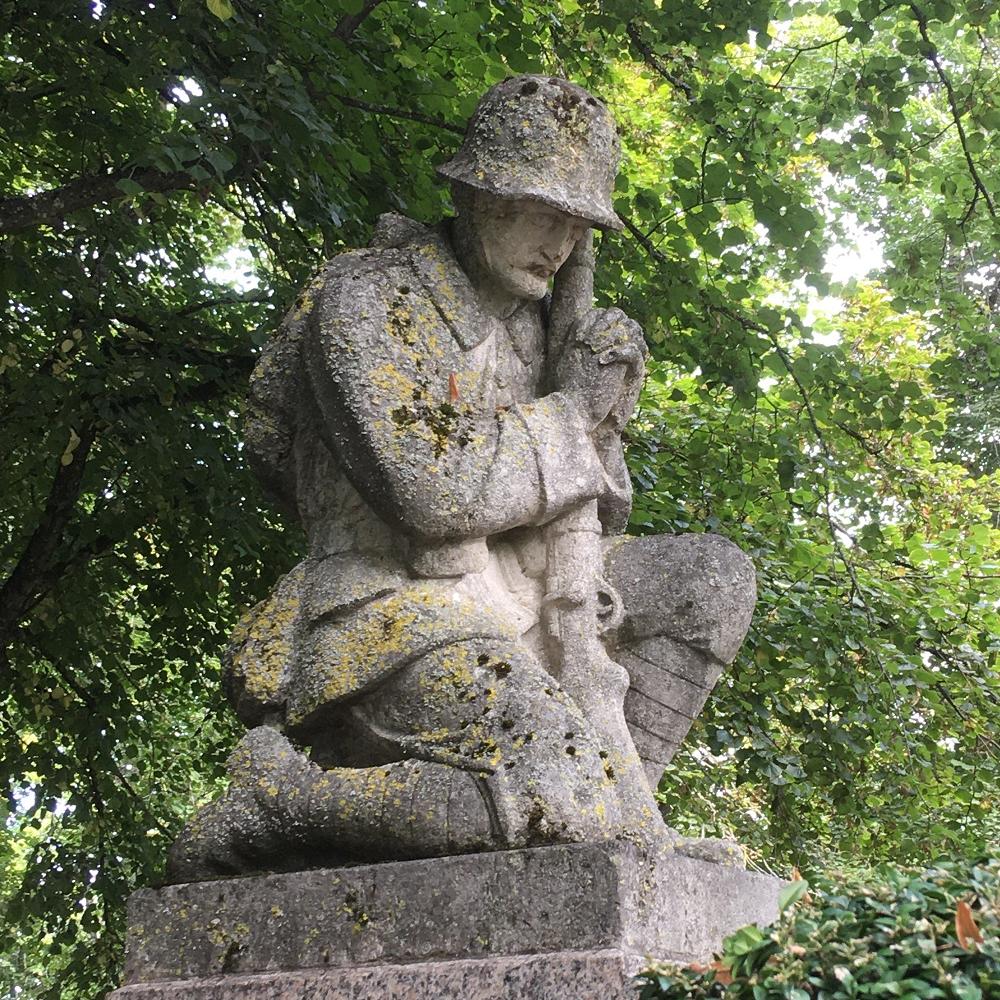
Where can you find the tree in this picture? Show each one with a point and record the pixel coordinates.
(851, 447)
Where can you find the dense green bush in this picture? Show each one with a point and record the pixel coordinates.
(912, 936)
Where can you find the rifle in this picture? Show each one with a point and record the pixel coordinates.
(579, 604)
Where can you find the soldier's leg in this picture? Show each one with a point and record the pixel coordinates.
(489, 708)
(489, 753)
(688, 601)
(284, 812)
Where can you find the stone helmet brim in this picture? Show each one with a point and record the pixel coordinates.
(546, 139)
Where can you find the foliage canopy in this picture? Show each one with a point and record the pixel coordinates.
(846, 432)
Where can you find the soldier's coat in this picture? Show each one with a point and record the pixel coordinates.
(433, 443)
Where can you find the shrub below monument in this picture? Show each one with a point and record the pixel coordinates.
(934, 934)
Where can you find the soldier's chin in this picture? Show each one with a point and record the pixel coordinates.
(524, 284)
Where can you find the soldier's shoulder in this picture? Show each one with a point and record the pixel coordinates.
(397, 241)
(402, 252)
(406, 259)
(368, 265)
(409, 275)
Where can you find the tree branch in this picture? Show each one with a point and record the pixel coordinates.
(645, 242)
(88, 700)
(223, 300)
(932, 57)
(40, 566)
(33, 94)
(390, 112)
(26, 212)
(786, 360)
(20, 589)
(183, 354)
(655, 62)
(350, 23)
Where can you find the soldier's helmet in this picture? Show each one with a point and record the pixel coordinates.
(543, 138)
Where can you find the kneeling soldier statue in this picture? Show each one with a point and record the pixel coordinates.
(472, 657)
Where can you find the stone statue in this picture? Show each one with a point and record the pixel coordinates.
(472, 657)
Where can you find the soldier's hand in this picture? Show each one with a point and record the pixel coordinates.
(603, 364)
(622, 411)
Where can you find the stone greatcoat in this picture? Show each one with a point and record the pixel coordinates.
(411, 433)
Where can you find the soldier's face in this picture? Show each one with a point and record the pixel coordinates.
(525, 242)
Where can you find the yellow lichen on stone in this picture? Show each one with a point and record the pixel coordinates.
(304, 304)
(456, 673)
(262, 646)
(392, 383)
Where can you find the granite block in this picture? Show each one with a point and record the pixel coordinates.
(545, 913)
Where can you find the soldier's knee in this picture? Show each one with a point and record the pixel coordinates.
(551, 801)
(696, 589)
(489, 707)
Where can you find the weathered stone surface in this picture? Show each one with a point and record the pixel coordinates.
(687, 602)
(597, 975)
(589, 899)
(705, 587)
(542, 138)
(469, 663)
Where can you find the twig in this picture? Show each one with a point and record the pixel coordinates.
(654, 61)
(645, 242)
(350, 23)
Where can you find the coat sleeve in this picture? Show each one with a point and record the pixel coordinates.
(382, 368)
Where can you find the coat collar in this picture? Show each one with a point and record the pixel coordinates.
(446, 284)
(449, 287)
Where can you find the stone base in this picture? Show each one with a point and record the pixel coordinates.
(574, 920)
(595, 975)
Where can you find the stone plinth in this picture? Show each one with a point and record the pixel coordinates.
(532, 924)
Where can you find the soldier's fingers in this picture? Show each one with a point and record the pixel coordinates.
(628, 354)
(602, 319)
(590, 319)
(628, 331)
(633, 332)
(614, 316)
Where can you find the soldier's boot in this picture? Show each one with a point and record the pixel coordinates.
(284, 812)
(718, 850)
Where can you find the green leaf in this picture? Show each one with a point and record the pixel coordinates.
(222, 160)
(222, 9)
(129, 187)
(791, 893)
(684, 168)
(716, 178)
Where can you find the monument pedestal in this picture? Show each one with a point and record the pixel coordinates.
(549, 922)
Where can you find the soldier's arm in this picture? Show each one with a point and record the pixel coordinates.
(384, 370)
